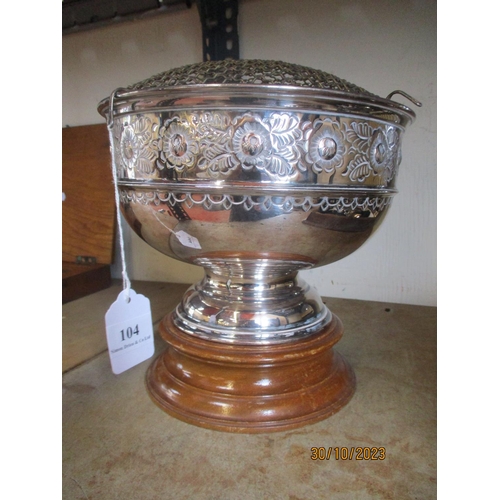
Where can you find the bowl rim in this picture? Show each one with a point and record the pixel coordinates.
(261, 97)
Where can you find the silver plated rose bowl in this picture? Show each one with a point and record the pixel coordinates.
(254, 170)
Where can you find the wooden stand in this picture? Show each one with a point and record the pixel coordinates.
(250, 388)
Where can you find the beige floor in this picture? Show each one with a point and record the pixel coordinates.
(118, 445)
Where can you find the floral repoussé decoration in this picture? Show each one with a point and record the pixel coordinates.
(284, 147)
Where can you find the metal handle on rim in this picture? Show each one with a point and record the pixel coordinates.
(110, 120)
(404, 94)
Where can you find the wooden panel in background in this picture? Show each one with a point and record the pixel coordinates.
(89, 208)
(88, 214)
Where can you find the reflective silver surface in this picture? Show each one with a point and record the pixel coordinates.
(254, 181)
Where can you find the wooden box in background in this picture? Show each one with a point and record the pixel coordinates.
(88, 213)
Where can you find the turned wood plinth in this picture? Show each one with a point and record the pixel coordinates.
(250, 388)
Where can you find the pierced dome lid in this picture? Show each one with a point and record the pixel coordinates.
(252, 83)
(247, 72)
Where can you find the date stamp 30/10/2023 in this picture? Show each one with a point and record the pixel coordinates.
(345, 453)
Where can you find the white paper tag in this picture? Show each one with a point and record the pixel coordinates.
(187, 240)
(129, 331)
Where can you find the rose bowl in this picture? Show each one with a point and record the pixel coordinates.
(254, 170)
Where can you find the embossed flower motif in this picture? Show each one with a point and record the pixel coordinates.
(393, 140)
(251, 144)
(178, 146)
(326, 147)
(135, 145)
(129, 147)
(380, 154)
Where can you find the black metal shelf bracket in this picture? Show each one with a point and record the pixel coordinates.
(219, 22)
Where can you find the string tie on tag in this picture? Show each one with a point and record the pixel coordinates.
(110, 124)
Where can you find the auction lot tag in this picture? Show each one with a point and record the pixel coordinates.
(129, 331)
(187, 240)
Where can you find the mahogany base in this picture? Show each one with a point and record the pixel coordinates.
(248, 388)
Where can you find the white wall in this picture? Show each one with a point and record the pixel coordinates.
(380, 45)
